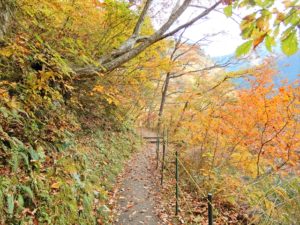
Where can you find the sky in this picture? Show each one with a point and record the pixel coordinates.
(221, 44)
(222, 34)
(216, 22)
(224, 44)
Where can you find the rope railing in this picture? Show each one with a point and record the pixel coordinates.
(192, 178)
(162, 160)
(166, 161)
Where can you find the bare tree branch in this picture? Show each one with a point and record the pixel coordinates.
(219, 11)
(173, 17)
(192, 21)
(131, 48)
(141, 19)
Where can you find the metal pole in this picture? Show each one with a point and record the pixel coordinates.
(177, 180)
(210, 209)
(163, 161)
(157, 152)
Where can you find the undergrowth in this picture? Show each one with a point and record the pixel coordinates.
(237, 199)
(61, 142)
(69, 187)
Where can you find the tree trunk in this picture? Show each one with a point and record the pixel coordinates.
(163, 100)
(131, 48)
(5, 15)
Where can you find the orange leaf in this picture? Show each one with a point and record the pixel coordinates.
(258, 41)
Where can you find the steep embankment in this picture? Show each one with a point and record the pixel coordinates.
(67, 187)
(63, 139)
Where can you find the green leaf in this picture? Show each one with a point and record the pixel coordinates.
(244, 48)
(25, 158)
(269, 42)
(276, 31)
(33, 154)
(292, 17)
(20, 201)
(289, 45)
(39, 39)
(264, 3)
(10, 204)
(228, 10)
(247, 32)
(28, 191)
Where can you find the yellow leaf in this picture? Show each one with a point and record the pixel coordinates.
(281, 192)
(269, 205)
(98, 88)
(109, 100)
(13, 104)
(4, 94)
(7, 52)
(55, 185)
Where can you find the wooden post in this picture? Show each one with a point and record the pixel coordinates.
(163, 160)
(177, 180)
(167, 139)
(210, 209)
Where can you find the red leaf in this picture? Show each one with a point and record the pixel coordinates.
(227, 2)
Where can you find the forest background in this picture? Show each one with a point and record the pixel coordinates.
(77, 77)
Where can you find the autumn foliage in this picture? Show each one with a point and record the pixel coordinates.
(242, 132)
(67, 122)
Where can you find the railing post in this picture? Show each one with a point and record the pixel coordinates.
(163, 160)
(210, 209)
(167, 137)
(177, 180)
(157, 152)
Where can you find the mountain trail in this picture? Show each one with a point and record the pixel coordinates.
(138, 188)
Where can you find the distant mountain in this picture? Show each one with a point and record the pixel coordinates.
(288, 67)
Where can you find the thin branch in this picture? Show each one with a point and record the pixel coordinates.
(173, 17)
(197, 71)
(191, 22)
(130, 50)
(141, 19)
(203, 7)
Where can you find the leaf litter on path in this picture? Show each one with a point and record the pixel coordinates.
(138, 191)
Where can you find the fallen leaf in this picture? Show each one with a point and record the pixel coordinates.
(55, 185)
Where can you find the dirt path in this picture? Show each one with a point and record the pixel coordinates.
(138, 188)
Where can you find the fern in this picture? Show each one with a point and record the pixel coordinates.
(27, 191)
(10, 204)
